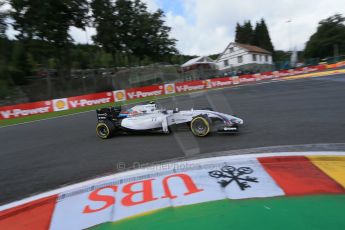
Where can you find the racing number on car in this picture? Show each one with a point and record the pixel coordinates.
(154, 118)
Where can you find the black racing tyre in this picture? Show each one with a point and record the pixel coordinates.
(200, 126)
(105, 129)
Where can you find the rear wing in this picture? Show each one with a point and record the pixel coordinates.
(108, 113)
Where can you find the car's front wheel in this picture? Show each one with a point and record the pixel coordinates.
(200, 126)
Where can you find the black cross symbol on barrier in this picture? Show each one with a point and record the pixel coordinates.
(234, 174)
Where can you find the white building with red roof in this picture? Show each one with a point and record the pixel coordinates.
(243, 57)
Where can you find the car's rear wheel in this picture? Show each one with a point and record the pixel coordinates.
(200, 126)
(105, 129)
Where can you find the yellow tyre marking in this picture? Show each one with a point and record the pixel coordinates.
(205, 122)
(108, 131)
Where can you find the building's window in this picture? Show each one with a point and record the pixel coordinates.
(231, 49)
(266, 58)
(260, 58)
(239, 59)
(226, 62)
(254, 57)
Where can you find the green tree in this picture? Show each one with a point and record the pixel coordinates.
(156, 37)
(329, 39)
(104, 20)
(3, 25)
(126, 27)
(244, 33)
(258, 37)
(20, 64)
(4, 76)
(80, 57)
(248, 31)
(262, 37)
(258, 34)
(50, 21)
(238, 33)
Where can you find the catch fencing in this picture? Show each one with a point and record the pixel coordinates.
(128, 94)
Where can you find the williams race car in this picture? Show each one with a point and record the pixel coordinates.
(152, 118)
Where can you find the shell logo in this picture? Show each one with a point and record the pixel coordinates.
(60, 104)
(119, 96)
(208, 84)
(170, 89)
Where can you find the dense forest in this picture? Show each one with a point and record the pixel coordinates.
(127, 35)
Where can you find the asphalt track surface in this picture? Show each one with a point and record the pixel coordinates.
(45, 155)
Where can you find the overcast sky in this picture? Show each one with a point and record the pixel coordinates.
(206, 26)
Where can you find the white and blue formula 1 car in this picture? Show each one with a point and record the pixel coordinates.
(151, 118)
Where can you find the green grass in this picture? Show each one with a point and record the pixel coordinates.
(303, 212)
